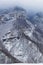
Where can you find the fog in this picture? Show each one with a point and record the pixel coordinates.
(36, 5)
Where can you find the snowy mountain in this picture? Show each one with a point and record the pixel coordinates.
(22, 37)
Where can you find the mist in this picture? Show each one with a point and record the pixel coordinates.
(36, 5)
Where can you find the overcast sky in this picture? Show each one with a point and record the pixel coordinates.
(28, 4)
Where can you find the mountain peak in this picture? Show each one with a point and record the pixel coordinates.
(17, 8)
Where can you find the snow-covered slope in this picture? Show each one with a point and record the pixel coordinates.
(21, 38)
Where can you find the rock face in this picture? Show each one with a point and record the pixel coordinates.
(21, 38)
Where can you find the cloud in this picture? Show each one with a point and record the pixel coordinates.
(29, 4)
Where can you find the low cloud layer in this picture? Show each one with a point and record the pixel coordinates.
(27, 4)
